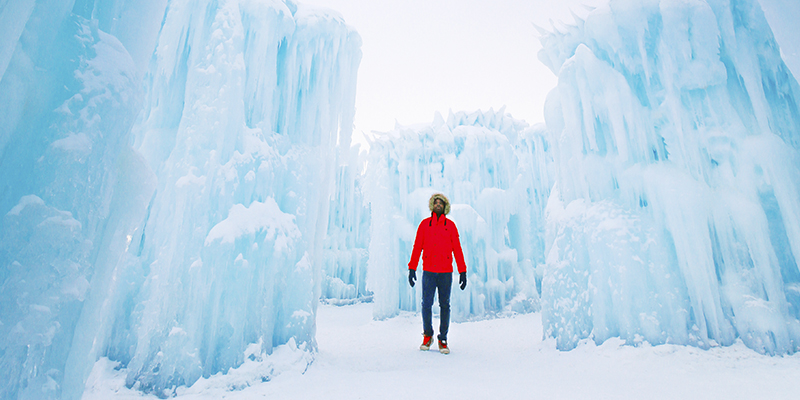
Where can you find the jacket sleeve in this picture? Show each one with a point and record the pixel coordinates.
(462, 266)
(417, 247)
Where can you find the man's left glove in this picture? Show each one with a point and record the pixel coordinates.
(462, 280)
(412, 276)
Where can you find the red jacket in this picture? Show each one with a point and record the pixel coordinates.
(437, 240)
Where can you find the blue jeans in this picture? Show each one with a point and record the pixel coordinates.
(431, 281)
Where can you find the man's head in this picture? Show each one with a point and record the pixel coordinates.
(439, 204)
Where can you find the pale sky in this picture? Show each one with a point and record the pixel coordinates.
(423, 56)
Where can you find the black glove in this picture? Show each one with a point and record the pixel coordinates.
(412, 276)
(462, 280)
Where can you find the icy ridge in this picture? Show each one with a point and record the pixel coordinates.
(675, 130)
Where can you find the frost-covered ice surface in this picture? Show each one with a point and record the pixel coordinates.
(346, 246)
(245, 167)
(362, 358)
(164, 190)
(676, 210)
(493, 169)
(72, 188)
(781, 17)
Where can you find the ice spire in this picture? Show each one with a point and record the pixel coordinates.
(675, 131)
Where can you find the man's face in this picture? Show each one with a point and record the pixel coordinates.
(438, 206)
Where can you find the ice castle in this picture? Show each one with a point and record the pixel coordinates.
(178, 188)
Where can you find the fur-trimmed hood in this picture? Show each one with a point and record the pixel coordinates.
(443, 198)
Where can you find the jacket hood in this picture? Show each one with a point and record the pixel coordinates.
(443, 198)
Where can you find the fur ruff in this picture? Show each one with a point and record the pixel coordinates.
(443, 198)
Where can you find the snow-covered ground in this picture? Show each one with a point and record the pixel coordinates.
(504, 358)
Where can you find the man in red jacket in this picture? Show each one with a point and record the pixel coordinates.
(437, 241)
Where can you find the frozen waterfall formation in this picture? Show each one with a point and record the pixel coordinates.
(675, 216)
(162, 190)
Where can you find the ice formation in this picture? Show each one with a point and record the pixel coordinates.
(675, 216)
(165, 192)
(494, 170)
(345, 251)
(178, 187)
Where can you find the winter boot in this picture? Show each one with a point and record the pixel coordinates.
(427, 341)
(443, 347)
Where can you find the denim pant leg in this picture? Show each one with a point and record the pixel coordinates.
(444, 284)
(428, 289)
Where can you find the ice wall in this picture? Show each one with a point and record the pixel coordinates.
(493, 169)
(166, 212)
(780, 16)
(674, 218)
(347, 240)
(241, 121)
(72, 188)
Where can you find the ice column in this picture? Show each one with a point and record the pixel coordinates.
(674, 218)
(72, 194)
(347, 241)
(246, 102)
(494, 170)
(170, 228)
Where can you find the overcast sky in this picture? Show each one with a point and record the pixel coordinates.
(423, 56)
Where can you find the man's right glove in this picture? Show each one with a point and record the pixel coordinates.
(462, 280)
(412, 276)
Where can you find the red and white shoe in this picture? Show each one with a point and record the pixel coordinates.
(427, 341)
(443, 347)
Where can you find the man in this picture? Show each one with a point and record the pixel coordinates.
(437, 238)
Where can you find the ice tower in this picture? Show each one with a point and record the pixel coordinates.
(675, 217)
(165, 193)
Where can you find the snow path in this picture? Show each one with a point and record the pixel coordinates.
(502, 358)
(506, 359)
